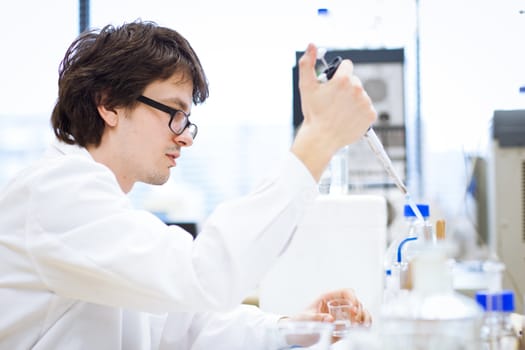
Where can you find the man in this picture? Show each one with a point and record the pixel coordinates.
(82, 269)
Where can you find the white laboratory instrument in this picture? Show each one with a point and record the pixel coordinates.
(506, 197)
(339, 243)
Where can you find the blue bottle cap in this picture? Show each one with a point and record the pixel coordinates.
(323, 11)
(499, 301)
(522, 89)
(424, 209)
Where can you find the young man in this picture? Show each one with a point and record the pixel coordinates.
(82, 269)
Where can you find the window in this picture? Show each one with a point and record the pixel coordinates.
(33, 43)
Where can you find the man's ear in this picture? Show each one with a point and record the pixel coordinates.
(110, 116)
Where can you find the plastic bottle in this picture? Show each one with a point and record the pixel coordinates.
(334, 179)
(431, 316)
(339, 172)
(392, 287)
(403, 248)
(497, 332)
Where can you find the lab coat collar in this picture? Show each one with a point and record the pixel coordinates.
(61, 148)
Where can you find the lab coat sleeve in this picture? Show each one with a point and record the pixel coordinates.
(87, 242)
(245, 327)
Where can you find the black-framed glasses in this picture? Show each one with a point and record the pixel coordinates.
(179, 120)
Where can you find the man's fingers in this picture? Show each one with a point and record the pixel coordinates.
(307, 74)
(356, 81)
(345, 69)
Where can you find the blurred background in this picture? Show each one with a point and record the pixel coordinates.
(462, 60)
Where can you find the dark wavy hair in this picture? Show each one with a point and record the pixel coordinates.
(113, 66)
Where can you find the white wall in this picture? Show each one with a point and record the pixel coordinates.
(472, 62)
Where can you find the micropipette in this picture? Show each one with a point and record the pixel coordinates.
(377, 147)
(373, 141)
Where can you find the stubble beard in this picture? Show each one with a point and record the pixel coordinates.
(157, 178)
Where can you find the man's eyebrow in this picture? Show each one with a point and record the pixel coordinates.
(177, 101)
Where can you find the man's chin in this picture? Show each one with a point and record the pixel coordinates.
(157, 179)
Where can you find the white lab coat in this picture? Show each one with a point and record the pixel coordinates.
(81, 269)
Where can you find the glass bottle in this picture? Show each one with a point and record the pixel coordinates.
(404, 247)
(497, 331)
(431, 316)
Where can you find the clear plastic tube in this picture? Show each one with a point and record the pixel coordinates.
(378, 149)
